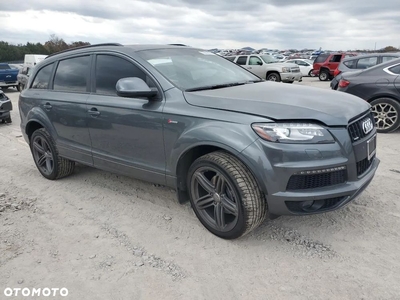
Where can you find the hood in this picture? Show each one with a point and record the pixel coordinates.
(279, 101)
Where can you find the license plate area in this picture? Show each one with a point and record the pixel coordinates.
(371, 147)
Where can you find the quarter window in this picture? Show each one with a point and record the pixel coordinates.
(110, 69)
(395, 69)
(72, 74)
(351, 64)
(336, 58)
(43, 77)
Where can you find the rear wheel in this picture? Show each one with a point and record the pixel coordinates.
(8, 120)
(225, 196)
(45, 155)
(386, 114)
(311, 74)
(274, 76)
(324, 75)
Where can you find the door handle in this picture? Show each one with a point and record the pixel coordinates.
(47, 106)
(94, 112)
(248, 68)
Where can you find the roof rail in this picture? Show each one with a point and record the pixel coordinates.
(179, 45)
(83, 47)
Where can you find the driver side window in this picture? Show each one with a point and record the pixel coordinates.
(110, 69)
(255, 61)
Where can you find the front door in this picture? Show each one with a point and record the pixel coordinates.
(126, 133)
(255, 66)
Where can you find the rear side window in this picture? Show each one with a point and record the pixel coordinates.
(43, 77)
(72, 74)
(110, 69)
(367, 62)
(321, 58)
(241, 60)
(388, 58)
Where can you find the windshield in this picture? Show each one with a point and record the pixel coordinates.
(269, 59)
(190, 69)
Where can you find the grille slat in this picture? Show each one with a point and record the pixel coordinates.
(304, 182)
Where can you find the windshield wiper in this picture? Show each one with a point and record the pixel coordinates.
(220, 86)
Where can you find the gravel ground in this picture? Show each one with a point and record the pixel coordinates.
(102, 235)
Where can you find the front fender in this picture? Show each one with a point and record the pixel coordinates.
(212, 133)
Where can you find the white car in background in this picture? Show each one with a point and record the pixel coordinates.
(306, 66)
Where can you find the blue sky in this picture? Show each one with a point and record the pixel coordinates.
(281, 24)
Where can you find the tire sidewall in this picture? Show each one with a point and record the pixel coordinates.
(240, 226)
(277, 76)
(43, 133)
(396, 105)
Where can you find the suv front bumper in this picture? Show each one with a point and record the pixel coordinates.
(300, 179)
(290, 77)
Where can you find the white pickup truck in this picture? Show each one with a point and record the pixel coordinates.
(267, 67)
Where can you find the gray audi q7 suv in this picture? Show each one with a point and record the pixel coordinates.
(240, 149)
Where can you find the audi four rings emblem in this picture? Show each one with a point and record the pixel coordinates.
(367, 126)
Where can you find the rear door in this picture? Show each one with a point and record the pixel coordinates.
(65, 105)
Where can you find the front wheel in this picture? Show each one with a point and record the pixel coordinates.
(274, 77)
(225, 196)
(386, 114)
(45, 155)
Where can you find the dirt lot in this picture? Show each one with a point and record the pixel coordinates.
(104, 236)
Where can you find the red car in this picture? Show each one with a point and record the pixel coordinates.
(326, 64)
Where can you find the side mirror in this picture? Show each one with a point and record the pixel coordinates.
(259, 63)
(133, 87)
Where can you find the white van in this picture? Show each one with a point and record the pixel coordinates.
(32, 59)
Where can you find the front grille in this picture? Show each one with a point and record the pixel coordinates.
(316, 206)
(363, 165)
(356, 129)
(304, 182)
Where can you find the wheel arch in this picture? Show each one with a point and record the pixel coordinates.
(37, 118)
(190, 155)
(375, 97)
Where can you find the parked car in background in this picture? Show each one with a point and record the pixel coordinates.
(357, 63)
(23, 77)
(30, 60)
(379, 86)
(267, 67)
(5, 108)
(8, 76)
(240, 149)
(305, 65)
(326, 64)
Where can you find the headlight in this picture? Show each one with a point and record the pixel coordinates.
(285, 70)
(300, 133)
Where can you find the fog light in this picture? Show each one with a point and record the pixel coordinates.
(306, 205)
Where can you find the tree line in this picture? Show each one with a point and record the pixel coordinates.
(10, 52)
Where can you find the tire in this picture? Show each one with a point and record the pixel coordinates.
(45, 155)
(386, 114)
(311, 73)
(19, 87)
(290, 82)
(225, 185)
(8, 120)
(323, 75)
(274, 76)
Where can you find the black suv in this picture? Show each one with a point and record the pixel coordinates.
(240, 149)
